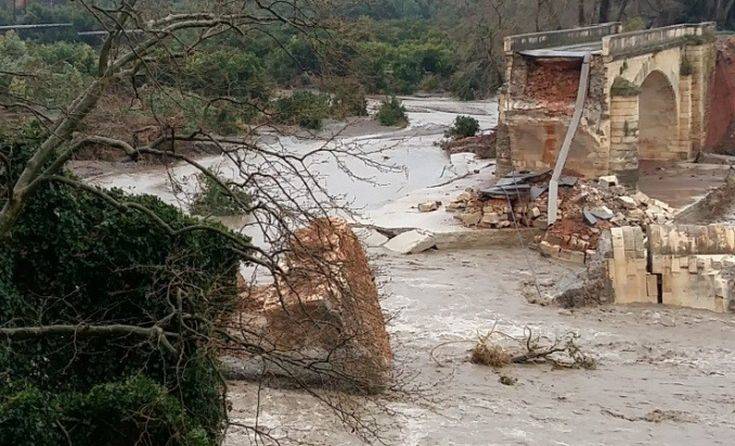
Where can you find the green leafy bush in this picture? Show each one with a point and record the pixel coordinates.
(348, 98)
(464, 126)
(303, 108)
(226, 72)
(383, 67)
(136, 409)
(392, 113)
(60, 70)
(213, 199)
(188, 111)
(72, 259)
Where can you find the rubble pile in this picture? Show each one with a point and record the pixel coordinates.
(586, 208)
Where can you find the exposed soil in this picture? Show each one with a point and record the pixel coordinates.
(554, 83)
(721, 123)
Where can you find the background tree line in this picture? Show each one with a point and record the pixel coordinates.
(397, 46)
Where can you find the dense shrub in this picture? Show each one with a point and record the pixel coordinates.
(383, 67)
(291, 63)
(226, 72)
(213, 199)
(303, 108)
(107, 414)
(186, 111)
(72, 258)
(60, 70)
(348, 98)
(464, 126)
(392, 113)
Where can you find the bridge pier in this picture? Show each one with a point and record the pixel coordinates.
(624, 112)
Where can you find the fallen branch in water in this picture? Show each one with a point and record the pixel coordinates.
(562, 352)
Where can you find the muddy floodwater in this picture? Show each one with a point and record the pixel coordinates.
(664, 376)
(411, 158)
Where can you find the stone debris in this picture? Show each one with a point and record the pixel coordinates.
(586, 208)
(603, 213)
(609, 181)
(325, 308)
(429, 206)
(370, 237)
(412, 242)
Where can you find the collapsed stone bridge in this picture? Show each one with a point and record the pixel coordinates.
(646, 99)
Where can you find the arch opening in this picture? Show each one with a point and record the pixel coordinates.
(658, 120)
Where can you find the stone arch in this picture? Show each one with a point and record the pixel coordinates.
(658, 121)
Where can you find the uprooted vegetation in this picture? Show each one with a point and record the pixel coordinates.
(498, 350)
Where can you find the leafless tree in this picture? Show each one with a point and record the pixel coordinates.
(286, 191)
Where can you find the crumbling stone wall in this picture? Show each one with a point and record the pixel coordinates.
(608, 140)
(536, 110)
(325, 312)
(679, 265)
(690, 261)
(628, 267)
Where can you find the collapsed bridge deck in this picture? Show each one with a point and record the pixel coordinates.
(646, 100)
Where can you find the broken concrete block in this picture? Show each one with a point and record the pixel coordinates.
(429, 206)
(504, 224)
(412, 242)
(619, 219)
(636, 215)
(471, 218)
(370, 237)
(609, 181)
(589, 219)
(661, 204)
(603, 213)
(654, 212)
(548, 249)
(571, 256)
(534, 212)
(456, 206)
(627, 202)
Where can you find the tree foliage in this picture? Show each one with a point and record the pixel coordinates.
(464, 126)
(76, 261)
(392, 113)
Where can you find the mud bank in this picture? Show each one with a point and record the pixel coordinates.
(414, 159)
(664, 375)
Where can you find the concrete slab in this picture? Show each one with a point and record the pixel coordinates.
(680, 184)
(412, 242)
